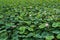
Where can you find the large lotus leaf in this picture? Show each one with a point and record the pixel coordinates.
(56, 31)
(58, 36)
(30, 29)
(1, 16)
(49, 37)
(56, 24)
(22, 29)
(42, 26)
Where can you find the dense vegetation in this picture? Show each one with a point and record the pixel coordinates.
(29, 19)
